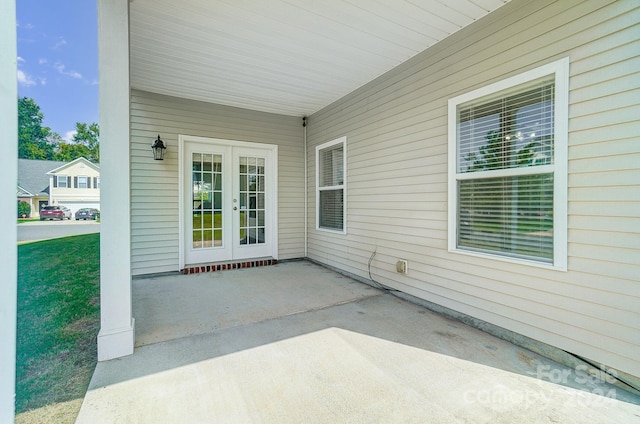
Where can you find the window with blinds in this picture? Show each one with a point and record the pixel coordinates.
(330, 185)
(504, 176)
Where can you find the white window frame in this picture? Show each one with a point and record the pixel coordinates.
(560, 70)
(62, 178)
(86, 184)
(343, 186)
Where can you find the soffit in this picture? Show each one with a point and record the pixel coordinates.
(292, 57)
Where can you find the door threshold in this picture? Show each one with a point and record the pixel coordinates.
(228, 265)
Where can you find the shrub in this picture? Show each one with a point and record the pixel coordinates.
(24, 210)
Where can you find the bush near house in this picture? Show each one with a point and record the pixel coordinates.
(24, 209)
(58, 321)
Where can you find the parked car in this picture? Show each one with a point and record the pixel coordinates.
(87, 213)
(55, 212)
(67, 212)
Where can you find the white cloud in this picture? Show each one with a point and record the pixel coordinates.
(20, 59)
(42, 61)
(25, 79)
(61, 69)
(68, 136)
(61, 42)
(27, 26)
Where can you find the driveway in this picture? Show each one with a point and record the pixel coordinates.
(298, 343)
(42, 230)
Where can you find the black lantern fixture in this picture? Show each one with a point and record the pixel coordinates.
(158, 148)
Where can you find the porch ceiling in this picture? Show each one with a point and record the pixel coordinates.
(292, 57)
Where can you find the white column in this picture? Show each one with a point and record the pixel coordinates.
(8, 213)
(116, 337)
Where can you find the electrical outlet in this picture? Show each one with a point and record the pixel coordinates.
(402, 266)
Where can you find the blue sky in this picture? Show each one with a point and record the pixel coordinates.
(58, 60)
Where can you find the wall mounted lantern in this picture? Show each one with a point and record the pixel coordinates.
(158, 148)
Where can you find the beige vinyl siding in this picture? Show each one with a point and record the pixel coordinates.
(154, 185)
(396, 129)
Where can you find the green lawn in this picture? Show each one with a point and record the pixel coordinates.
(524, 225)
(23, 220)
(210, 221)
(58, 320)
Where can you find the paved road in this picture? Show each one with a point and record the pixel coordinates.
(41, 230)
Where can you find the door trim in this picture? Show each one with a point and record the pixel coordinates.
(272, 202)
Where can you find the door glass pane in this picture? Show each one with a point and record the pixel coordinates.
(261, 201)
(207, 241)
(197, 239)
(260, 218)
(217, 201)
(207, 177)
(197, 221)
(197, 161)
(206, 200)
(252, 192)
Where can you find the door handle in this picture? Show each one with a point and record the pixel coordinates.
(235, 208)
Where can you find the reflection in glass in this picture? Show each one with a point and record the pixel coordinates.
(252, 200)
(207, 200)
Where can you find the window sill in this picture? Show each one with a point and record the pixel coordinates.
(517, 261)
(329, 230)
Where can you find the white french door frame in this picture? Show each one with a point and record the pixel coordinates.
(271, 200)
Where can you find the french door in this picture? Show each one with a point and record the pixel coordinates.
(228, 200)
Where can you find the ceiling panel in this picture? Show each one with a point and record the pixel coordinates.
(292, 57)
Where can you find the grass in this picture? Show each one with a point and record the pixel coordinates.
(58, 320)
(210, 221)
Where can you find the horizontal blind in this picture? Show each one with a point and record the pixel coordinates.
(331, 164)
(513, 130)
(510, 215)
(331, 187)
(331, 209)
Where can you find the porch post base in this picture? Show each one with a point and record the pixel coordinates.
(116, 344)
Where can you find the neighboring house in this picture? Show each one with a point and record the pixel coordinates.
(501, 163)
(34, 184)
(74, 184)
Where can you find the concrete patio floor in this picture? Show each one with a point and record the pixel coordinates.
(298, 343)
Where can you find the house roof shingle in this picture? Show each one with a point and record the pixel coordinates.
(32, 174)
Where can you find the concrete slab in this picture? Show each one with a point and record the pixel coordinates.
(297, 343)
(169, 308)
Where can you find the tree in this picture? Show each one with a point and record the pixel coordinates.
(89, 137)
(85, 143)
(499, 154)
(38, 142)
(496, 198)
(34, 140)
(67, 152)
